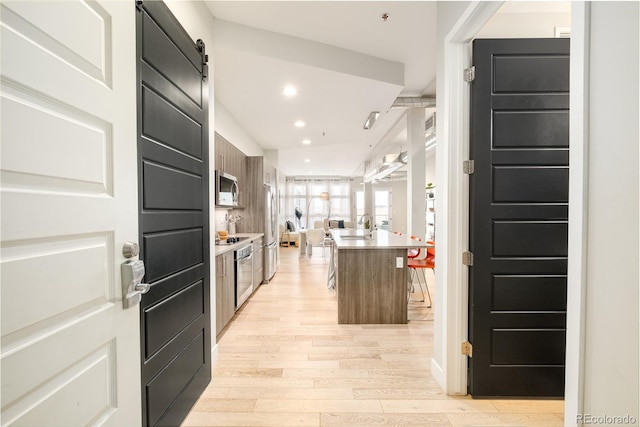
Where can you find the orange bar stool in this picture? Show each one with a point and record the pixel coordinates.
(419, 260)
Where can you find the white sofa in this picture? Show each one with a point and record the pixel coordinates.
(328, 224)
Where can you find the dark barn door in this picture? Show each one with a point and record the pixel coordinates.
(174, 216)
(518, 219)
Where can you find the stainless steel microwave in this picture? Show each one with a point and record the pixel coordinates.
(226, 189)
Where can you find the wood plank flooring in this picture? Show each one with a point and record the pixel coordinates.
(284, 361)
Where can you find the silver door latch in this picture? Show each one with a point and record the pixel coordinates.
(132, 286)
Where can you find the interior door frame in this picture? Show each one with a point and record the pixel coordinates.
(453, 215)
(452, 326)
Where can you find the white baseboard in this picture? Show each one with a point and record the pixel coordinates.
(438, 374)
(214, 354)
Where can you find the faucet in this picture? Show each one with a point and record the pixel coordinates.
(367, 224)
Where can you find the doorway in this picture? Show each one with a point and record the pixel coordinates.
(448, 364)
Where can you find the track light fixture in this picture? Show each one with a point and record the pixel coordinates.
(371, 119)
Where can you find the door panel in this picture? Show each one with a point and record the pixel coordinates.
(528, 72)
(530, 184)
(529, 129)
(518, 217)
(174, 227)
(68, 162)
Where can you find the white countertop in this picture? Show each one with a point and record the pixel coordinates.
(227, 247)
(382, 239)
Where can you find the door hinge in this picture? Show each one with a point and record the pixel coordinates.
(467, 349)
(205, 58)
(139, 4)
(467, 258)
(468, 167)
(470, 74)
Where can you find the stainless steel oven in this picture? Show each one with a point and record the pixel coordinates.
(244, 273)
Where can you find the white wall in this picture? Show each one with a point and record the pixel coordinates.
(430, 167)
(612, 211)
(232, 131)
(524, 25)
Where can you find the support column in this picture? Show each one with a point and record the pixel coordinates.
(368, 201)
(416, 180)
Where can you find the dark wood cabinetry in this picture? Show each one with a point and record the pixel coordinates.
(232, 161)
(225, 290)
(259, 173)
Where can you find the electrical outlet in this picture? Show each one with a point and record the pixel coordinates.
(399, 262)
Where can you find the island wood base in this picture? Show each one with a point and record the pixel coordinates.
(370, 288)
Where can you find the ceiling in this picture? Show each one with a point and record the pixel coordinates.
(345, 61)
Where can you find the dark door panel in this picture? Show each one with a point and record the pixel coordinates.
(174, 216)
(518, 217)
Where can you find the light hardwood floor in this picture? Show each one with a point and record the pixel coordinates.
(284, 361)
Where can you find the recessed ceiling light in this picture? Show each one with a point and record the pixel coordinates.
(306, 142)
(289, 90)
(299, 124)
(307, 160)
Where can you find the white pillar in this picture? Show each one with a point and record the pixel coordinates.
(368, 200)
(416, 173)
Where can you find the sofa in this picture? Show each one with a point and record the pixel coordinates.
(328, 224)
(288, 238)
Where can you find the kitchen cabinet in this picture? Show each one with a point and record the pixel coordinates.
(225, 290)
(260, 214)
(259, 173)
(371, 275)
(258, 262)
(229, 159)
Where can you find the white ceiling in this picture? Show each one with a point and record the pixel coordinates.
(344, 60)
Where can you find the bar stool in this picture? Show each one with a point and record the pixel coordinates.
(421, 259)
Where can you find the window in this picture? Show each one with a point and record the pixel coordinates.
(382, 200)
(305, 196)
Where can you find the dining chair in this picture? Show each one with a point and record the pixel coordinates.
(316, 237)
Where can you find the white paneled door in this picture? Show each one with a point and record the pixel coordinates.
(69, 351)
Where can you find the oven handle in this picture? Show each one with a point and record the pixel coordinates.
(246, 257)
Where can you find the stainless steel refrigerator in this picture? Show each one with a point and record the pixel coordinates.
(270, 230)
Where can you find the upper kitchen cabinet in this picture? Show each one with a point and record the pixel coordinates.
(259, 173)
(230, 160)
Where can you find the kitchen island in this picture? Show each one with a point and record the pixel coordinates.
(371, 276)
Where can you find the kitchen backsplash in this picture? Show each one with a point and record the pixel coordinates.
(221, 219)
